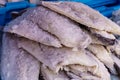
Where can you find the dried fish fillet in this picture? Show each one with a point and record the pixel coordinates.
(103, 55)
(16, 63)
(102, 71)
(84, 15)
(117, 63)
(66, 30)
(30, 30)
(50, 75)
(95, 40)
(115, 49)
(86, 73)
(56, 58)
(99, 37)
(82, 69)
(103, 37)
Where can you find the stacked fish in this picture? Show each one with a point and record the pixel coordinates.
(60, 41)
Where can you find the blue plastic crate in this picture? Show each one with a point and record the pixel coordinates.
(2, 16)
(99, 3)
(5, 15)
(106, 7)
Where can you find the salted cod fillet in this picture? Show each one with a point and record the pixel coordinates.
(115, 49)
(50, 75)
(103, 36)
(83, 71)
(67, 31)
(84, 75)
(103, 55)
(88, 73)
(102, 70)
(99, 37)
(76, 73)
(30, 30)
(56, 58)
(62, 75)
(117, 63)
(84, 15)
(16, 63)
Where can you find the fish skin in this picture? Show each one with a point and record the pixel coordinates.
(115, 49)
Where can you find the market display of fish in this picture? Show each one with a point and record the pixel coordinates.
(56, 58)
(61, 41)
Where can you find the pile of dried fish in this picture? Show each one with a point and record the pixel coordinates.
(60, 41)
